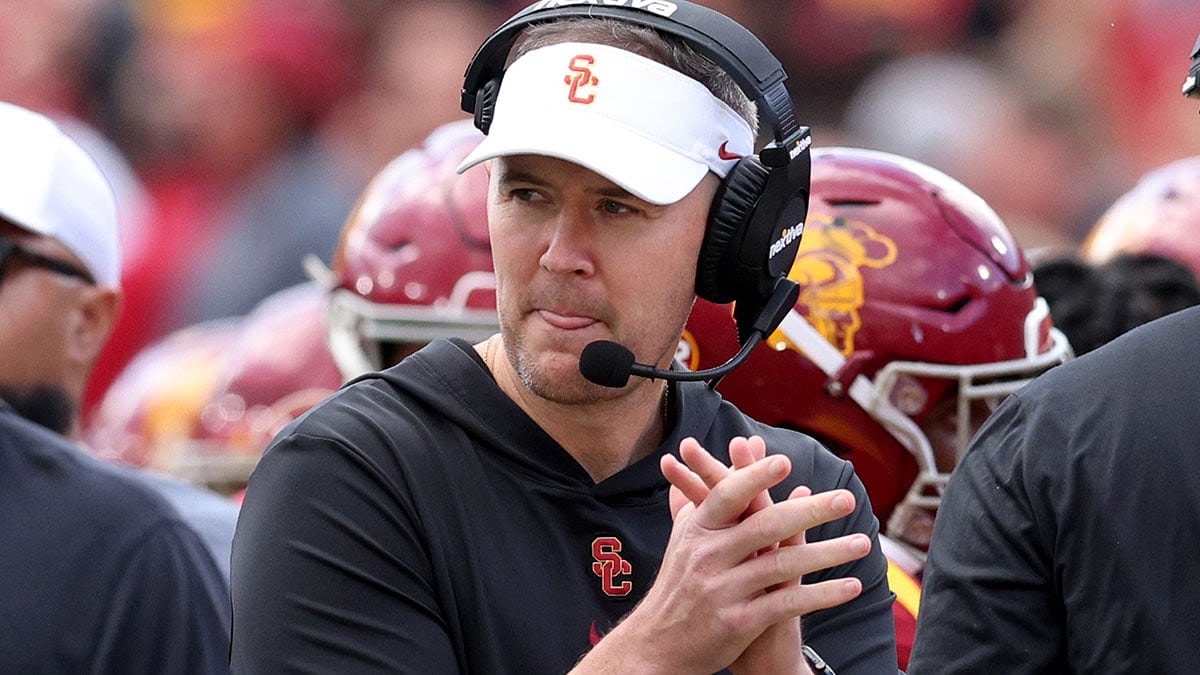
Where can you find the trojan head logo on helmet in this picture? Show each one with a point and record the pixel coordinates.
(917, 314)
(831, 285)
(414, 262)
(1160, 214)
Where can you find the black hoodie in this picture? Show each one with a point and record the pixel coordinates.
(419, 521)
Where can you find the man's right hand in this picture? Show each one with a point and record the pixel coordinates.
(731, 571)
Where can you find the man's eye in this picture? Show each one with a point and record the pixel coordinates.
(524, 194)
(614, 207)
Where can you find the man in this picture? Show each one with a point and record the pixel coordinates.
(1068, 533)
(917, 316)
(488, 509)
(100, 573)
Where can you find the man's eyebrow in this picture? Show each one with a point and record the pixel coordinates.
(517, 176)
(616, 191)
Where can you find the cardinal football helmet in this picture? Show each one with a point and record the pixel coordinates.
(1161, 214)
(148, 415)
(274, 369)
(414, 261)
(917, 313)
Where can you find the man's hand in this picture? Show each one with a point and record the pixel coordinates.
(778, 648)
(731, 571)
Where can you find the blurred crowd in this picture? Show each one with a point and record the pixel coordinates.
(240, 132)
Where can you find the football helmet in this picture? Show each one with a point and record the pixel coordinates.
(414, 262)
(275, 368)
(148, 415)
(1160, 214)
(917, 313)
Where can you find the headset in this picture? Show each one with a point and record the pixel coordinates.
(757, 218)
(1191, 85)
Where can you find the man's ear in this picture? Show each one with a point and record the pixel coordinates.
(92, 323)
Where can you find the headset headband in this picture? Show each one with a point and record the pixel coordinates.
(751, 65)
(1191, 86)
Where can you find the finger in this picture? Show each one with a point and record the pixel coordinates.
(701, 461)
(790, 563)
(791, 518)
(797, 492)
(729, 499)
(791, 601)
(689, 484)
(757, 447)
(741, 453)
(681, 507)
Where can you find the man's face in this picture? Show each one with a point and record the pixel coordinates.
(35, 314)
(579, 259)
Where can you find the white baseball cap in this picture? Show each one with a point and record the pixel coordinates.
(645, 126)
(51, 186)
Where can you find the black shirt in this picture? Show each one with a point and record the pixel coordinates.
(97, 573)
(1068, 538)
(419, 522)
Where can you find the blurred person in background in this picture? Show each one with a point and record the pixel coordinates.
(963, 115)
(1059, 50)
(856, 38)
(409, 85)
(48, 58)
(917, 314)
(102, 573)
(220, 109)
(1063, 48)
(1092, 303)
(1160, 214)
(1139, 261)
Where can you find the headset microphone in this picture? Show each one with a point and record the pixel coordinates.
(610, 364)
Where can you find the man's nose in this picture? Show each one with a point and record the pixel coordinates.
(570, 248)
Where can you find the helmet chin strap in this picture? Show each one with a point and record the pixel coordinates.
(826, 357)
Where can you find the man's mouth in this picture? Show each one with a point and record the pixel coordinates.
(565, 320)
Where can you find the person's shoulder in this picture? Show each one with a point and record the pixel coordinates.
(824, 470)
(1158, 350)
(188, 499)
(1149, 340)
(102, 494)
(114, 486)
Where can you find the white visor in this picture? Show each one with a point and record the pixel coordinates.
(646, 127)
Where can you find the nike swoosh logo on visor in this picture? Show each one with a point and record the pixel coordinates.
(725, 154)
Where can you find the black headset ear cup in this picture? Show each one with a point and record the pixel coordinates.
(733, 205)
(485, 104)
